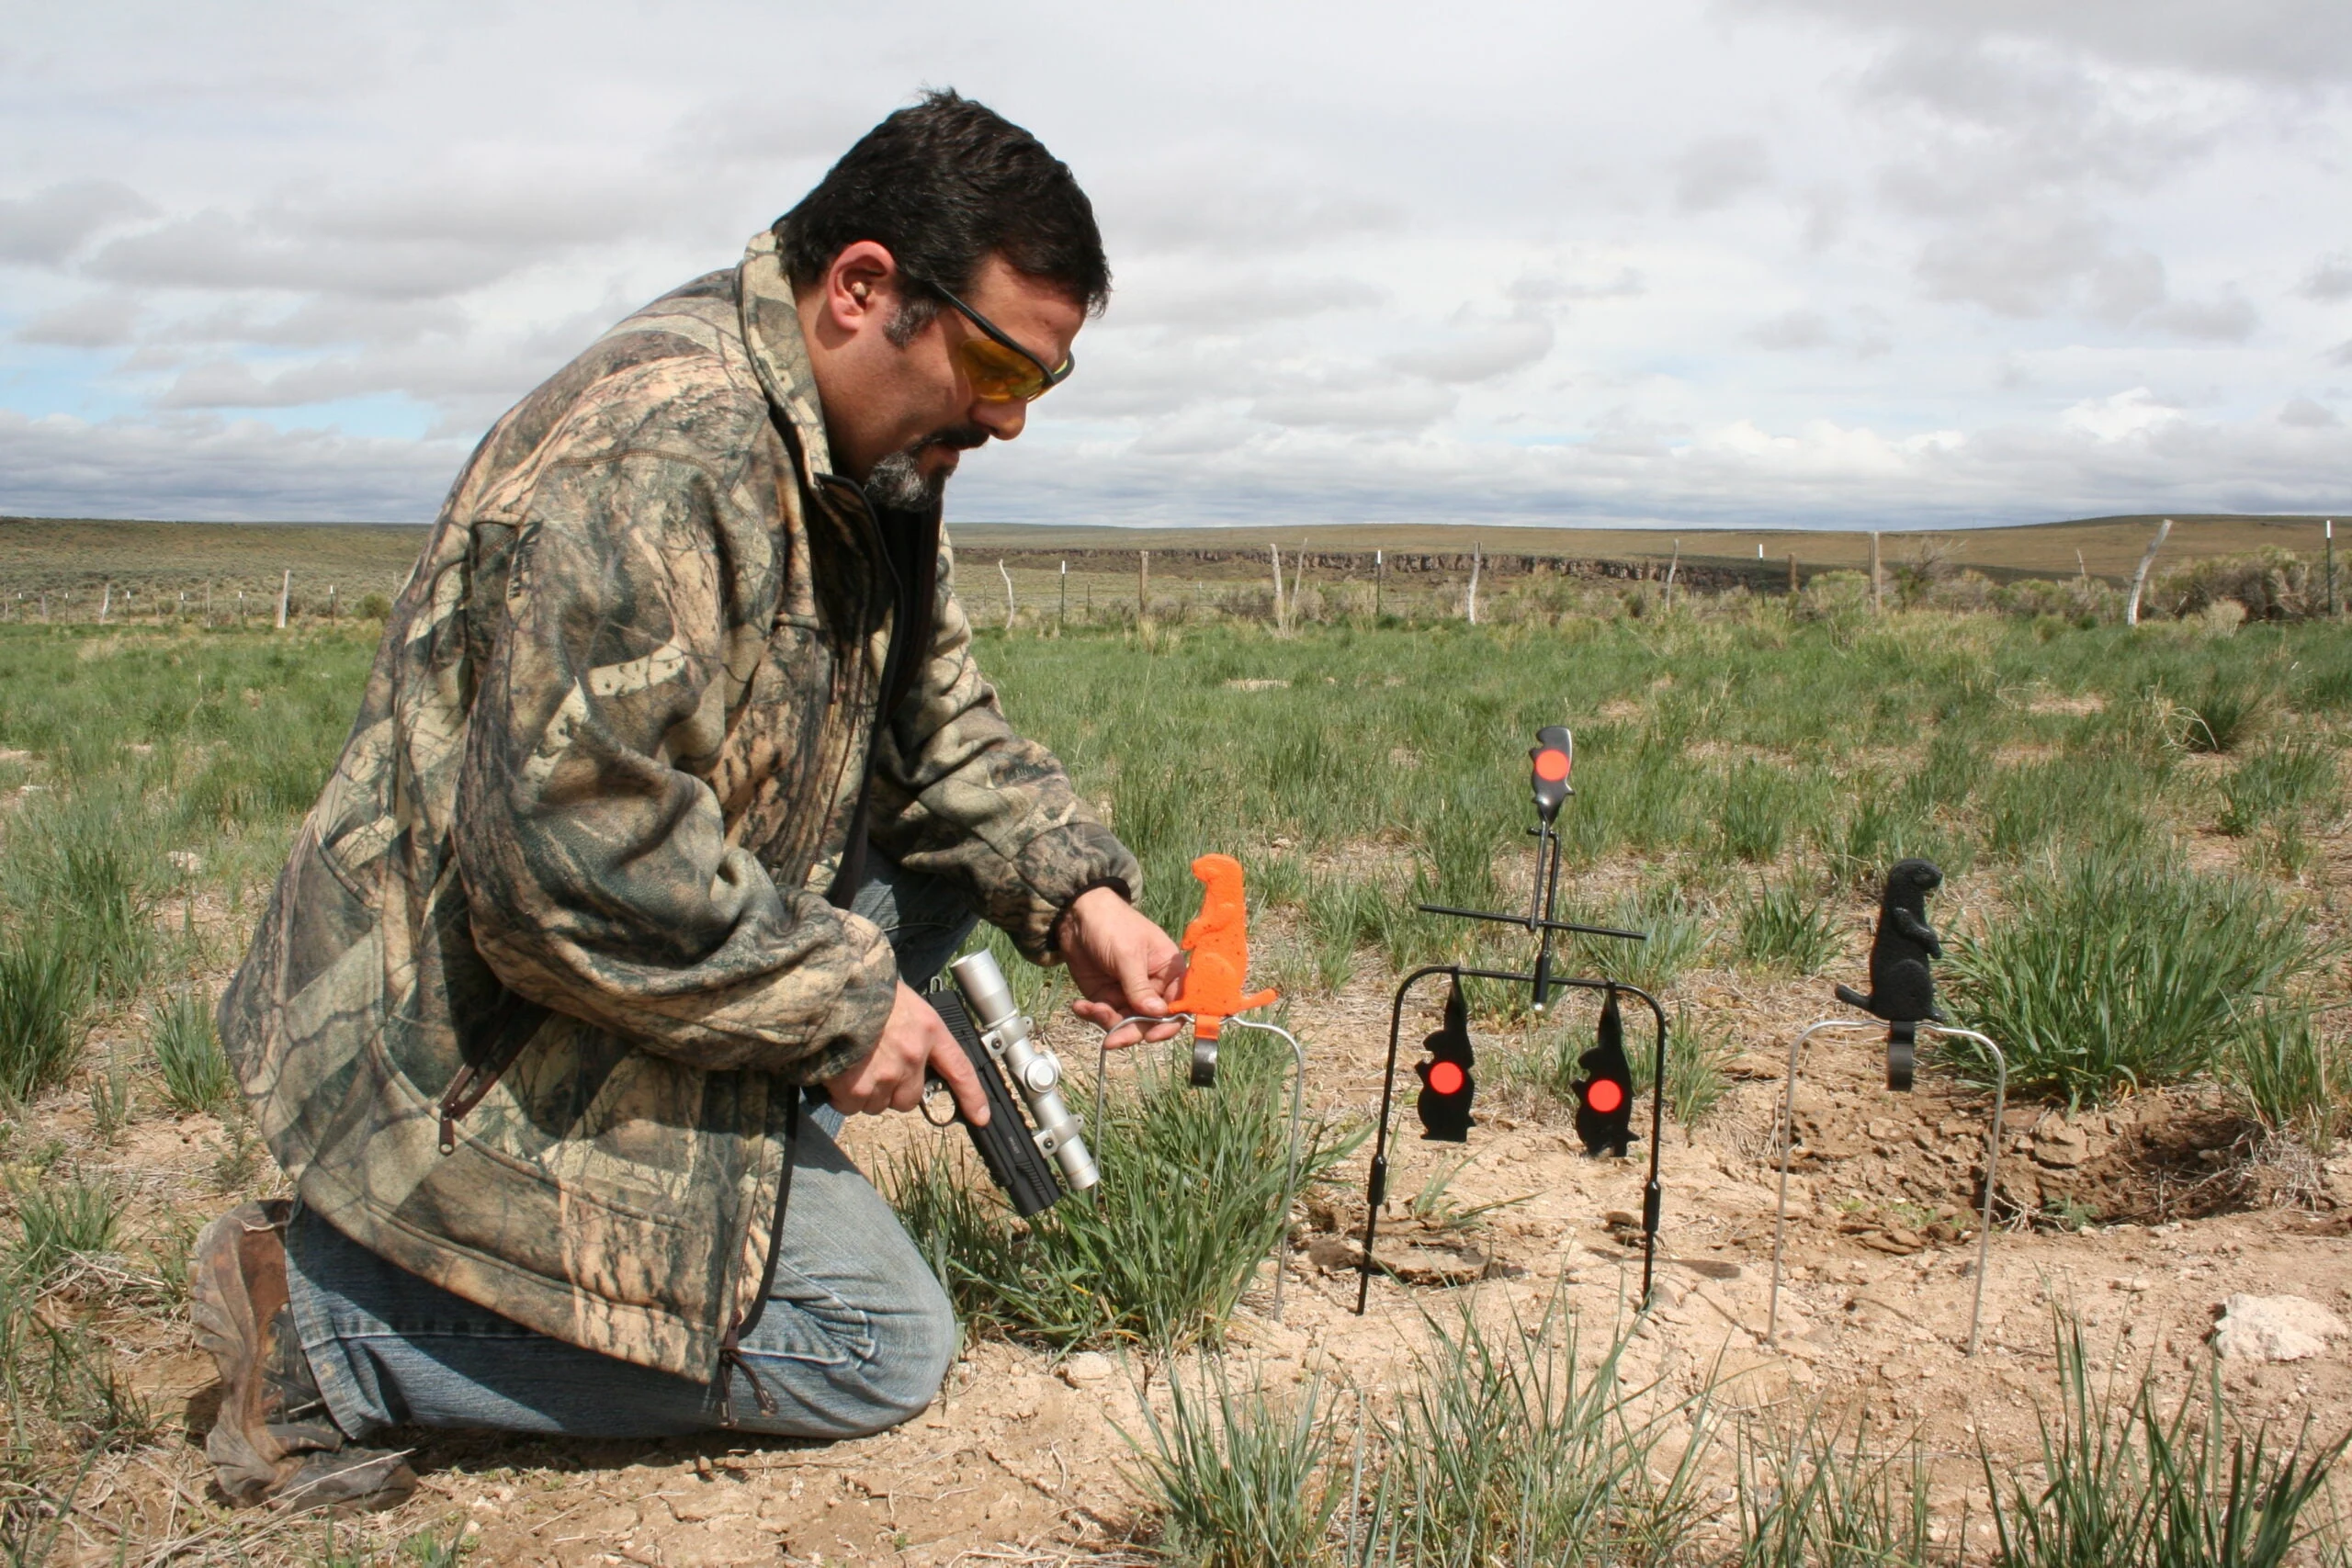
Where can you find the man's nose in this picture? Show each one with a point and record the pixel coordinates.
(1002, 421)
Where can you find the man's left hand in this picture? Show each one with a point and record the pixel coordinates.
(1122, 963)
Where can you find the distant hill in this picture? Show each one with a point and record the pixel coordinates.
(58, 554)
(2110, 546)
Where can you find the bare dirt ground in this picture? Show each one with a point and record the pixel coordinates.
(1022, 1460)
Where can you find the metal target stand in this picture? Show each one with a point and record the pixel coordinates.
(1376, 1189)
(1204, 1076)
(1900, 1059)
(1552, 760)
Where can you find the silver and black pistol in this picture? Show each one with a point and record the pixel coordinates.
(1000, 1044)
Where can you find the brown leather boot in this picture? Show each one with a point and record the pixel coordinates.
(273, 1440)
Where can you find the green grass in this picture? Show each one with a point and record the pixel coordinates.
(1239, 1477)
(1196, 1193)
(2286, 780)
(2113, 973)
(187, 1054)
(2124, 1481)
(1785, 931)
(2283, 1072)
(1389, 766)
(2224, 709)
(1817, 1493)
(57, 1222)
(1676, 930)
(43, 996)
(1506, 1447)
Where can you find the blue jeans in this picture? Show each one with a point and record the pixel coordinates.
(856, 1336)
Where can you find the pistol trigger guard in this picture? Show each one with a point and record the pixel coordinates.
(936, 1089)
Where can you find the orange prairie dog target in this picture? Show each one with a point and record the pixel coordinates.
(1218, 942)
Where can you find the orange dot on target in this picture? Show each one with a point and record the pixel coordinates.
(1604, 1096)
(1445, 1077)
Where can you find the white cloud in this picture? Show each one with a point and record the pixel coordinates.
(2300, 40)
(1355, 402)
(1793, 330)
(1956, 231)
(208, 469)
(1479, 350)
(52, 224)
(1718, 171)
(90, 321)
(2122, 416)
(2330, 280)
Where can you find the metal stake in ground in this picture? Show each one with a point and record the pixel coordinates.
(1992, 1158)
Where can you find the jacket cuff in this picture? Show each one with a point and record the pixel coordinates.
(853, 1026)
(1059, 865)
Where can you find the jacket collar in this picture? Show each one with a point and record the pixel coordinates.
(779, 354)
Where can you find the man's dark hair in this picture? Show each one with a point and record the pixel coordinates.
(943, 185)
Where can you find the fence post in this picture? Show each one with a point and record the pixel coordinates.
(1065, 614)
(1792, 574)
(1673, 567)
(1143, 585)
(2140, 578)
(2331, 568)
(1276, 552)
(285, 593)
(1470, 605)
(1008, 593)
(105, 603)
(1379, 580)
(1878, 585)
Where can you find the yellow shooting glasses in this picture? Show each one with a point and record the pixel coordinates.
(999, 369)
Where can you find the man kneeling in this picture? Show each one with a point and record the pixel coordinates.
(672, 777)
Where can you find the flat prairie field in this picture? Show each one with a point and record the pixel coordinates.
(2147, 872)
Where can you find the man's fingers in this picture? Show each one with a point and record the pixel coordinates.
(955, 1069)
(1141, 987)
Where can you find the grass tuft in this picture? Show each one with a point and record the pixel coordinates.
(188, 1053)
(1676, 936)
(2115, 973)
(43, 998)
(58, 1222)
(1783, 930)
(1193, 1196)
(2125, 1481)
(1818, 1497)
(2280, 783)
(1504, 1449)
(2281, 1072)
(2222, 712)
(1239, 1477)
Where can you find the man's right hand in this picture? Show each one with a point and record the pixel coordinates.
(914, 1044)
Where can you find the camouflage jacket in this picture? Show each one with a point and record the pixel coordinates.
(552, 957)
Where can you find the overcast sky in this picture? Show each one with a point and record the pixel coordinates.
(1754, 262)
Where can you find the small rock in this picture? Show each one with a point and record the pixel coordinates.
(1332, 1254)
(1087, 1367)
(2060, 1145)
(1425, 1264)
(2274, 1328)
(1895, 1239)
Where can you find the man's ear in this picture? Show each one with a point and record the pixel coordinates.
(861, 287)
